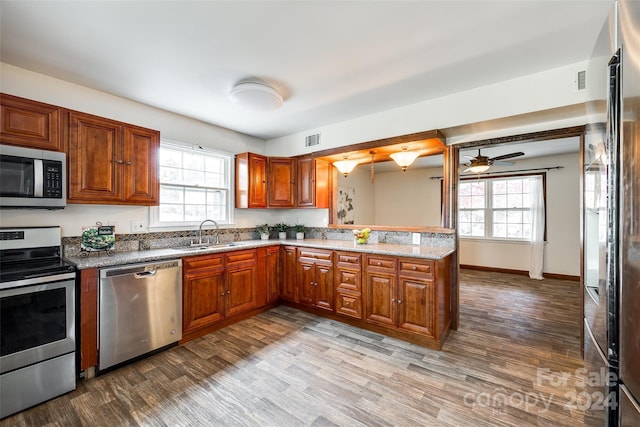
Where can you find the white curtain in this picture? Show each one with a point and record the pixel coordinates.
(537, 228)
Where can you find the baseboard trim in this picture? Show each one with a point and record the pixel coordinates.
(520, 272)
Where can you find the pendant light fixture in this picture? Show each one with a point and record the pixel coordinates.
(345, 166)
(404, 158)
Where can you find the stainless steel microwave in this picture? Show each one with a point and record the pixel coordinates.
(32, 178)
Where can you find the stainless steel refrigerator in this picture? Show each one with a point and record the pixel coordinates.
(612, 222)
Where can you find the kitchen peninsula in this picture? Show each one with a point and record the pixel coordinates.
(395, 289)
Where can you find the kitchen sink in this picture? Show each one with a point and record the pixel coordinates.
(205, 247)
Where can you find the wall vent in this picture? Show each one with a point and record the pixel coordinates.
(312, 140)
(581, 80)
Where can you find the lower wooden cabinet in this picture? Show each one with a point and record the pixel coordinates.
(348, 294)
(315, 278)
(289, 286)
(216, 287)
(404, 294)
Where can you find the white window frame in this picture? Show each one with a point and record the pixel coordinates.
(154, 212)
(489, 209)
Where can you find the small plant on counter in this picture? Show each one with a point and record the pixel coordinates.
(282, 230)
(263, 230)
(299, 231)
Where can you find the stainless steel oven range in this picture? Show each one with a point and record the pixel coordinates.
(37, 314)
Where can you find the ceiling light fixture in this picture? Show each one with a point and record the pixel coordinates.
(478, 168)
(256, 96)
(404, 158)
(345, 166)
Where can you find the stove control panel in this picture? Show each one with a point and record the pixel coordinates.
(11, 235)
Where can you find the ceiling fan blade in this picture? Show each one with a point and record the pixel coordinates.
(508, 156)
(502, 163)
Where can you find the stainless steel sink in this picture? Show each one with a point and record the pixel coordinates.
(205, 247)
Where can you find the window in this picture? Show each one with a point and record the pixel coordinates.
(498, 208)
(195, 184)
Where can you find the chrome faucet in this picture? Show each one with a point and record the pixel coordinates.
(217, 236)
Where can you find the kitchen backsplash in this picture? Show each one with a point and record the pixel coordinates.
(172, 239)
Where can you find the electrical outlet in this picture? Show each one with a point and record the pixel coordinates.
(138, 226)
(416, 238)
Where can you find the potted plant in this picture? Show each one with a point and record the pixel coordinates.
(282, 230)
(299, 231)
(263, 230)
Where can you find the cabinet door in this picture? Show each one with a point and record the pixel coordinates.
(312, 183)
(251, 181)
(241, 290)
(30, 124)
(289, 288)
(349, 303)
(282, 177)
(141, 186)
(273, 273)
(323, 278)
(380, 297)
(95, 159)
(203, 293)
(416, 305)
(306, 283)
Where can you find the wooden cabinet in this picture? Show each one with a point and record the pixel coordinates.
(315, 278)
(251, 181)
(348, 280)
(111, 162)
(312, 183)
(31, 124)
(289, 287)
(404, 294)
(282, 182)
(215, 287)
(273, 274)
(203, 291)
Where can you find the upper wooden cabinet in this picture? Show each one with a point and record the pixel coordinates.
(112, 162)
(282, 182)
(312, 183)
(31, 124)
(251, 181)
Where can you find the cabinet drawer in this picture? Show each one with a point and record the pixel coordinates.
(412, 266)
(349, 279)
(315, 254)
(203, 261)
(241, 257)
(379, 263)
(349, 260)
(349, 303)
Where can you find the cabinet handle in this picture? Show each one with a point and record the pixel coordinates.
(393, 300)
(127, 163)
(222, 294)
(119, 162)
(399, 301)
(346, 279)
(379, 264)
(229, 292)
(414, 268)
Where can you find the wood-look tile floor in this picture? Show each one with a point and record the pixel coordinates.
(512, 362)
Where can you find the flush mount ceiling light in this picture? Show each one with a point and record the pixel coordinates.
(404, 158)
(255, 96)
(345, 166)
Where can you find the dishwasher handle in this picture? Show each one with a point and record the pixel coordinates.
(145, 274)
(139, 271)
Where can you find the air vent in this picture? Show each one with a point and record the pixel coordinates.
(312, 140)
(581, 80)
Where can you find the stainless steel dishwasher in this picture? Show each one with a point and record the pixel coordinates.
(140, 310)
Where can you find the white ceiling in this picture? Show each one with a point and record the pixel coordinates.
(332, 60)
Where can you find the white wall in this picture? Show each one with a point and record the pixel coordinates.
(562, 250)
(27, 84)
(544, 91)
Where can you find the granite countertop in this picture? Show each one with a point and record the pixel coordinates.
(121, 258)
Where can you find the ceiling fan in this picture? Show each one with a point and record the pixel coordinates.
(480, 163)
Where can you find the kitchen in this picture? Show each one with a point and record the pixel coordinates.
(561, 102)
